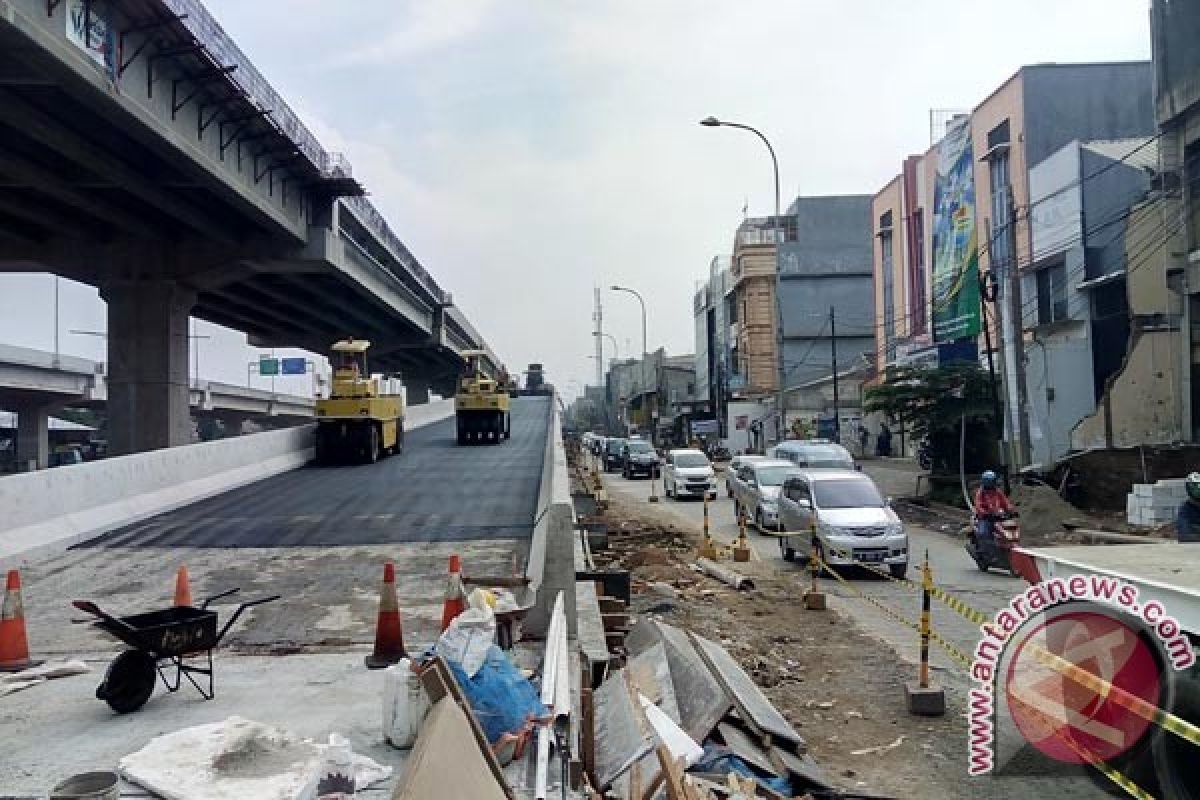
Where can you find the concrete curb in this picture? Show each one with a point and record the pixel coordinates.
(51, 510)
(551, 564)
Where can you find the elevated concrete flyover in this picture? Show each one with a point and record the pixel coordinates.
(141, 152)
(35, 383)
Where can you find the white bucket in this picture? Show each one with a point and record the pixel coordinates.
(405, 705)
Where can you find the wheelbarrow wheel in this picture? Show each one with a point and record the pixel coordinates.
(129, 681)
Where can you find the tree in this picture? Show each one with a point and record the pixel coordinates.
(933, 403)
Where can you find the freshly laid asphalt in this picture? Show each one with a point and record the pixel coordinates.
(435, 491)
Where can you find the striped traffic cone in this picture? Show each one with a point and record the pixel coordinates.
(14, 646)
(389, 637)
(183, 589)
(456, 595)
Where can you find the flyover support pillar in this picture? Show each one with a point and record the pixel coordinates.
(416, 393)
(33, 436)
(148, 364)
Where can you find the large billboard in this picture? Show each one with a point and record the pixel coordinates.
(955, 244)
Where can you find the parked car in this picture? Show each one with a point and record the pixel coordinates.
(612, 454)
(757, 492)
(638, 457)
(813, 454)
(854, 523)
(689, 473)
(731, 472)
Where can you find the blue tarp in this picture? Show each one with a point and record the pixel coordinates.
(502, 698)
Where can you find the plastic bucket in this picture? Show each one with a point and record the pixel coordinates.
(88, 786)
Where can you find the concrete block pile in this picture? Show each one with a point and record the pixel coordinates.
(1154, 504)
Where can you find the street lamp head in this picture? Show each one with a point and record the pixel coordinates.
(710, 122)
(616, 288)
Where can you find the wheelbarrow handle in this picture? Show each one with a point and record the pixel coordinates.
(95, 610)
(219, 596)
(234, 617)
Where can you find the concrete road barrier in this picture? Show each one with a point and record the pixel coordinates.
(551, 564)
(55, 508)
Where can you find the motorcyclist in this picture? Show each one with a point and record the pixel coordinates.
(1187, 520)
(991, 503)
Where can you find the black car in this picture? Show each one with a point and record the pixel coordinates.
(638, 457)
(612, 454)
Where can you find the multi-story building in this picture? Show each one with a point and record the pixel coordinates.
(753, 313)
(825, 288)
(964, 205)
(710, 306)
(1175, 30)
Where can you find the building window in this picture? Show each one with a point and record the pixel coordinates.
(1000, 183)
(1052, 294)
(999, 135)
(885, 220)
(889, 291)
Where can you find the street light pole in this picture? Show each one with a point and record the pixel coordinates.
(642, 303)
(713, 122)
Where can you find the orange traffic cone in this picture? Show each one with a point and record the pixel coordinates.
(456, 595)
(183, 590)
(14, 646)
(389, 638)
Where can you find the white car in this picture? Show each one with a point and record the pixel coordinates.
(853, 522)
(688, 473)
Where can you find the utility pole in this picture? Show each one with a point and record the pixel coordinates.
(837, 415)
(997, 415)
(1018, 337)
(598, 335)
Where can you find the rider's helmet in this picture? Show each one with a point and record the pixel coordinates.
(1193, 486)
(988, 480)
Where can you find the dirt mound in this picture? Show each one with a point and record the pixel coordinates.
(1043, 513)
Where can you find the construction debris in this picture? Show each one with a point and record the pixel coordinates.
(16, 681)
(727, 576)
(235, 759)
(441, 767)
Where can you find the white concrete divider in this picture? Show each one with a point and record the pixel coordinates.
(55, 508)
(550, 567)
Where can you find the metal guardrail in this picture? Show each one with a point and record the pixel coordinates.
(207, 31)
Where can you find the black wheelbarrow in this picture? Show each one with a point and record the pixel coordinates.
(161, 640)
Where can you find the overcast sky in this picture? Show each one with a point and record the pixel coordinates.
(529, 151)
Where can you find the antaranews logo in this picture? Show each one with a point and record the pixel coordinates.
(1075, 663)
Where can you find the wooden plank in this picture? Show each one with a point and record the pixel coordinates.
(449, 686)
(441, 767)
(619, 739)
(756, 710)
(674, 774)
(588, 734)
(611, 605)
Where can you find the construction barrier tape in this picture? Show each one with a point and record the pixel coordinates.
(953, 651)
(974, 615)
(1163, 718)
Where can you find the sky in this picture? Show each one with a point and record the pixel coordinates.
(527, 152)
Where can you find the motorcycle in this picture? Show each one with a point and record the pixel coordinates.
(925, 456)
(1006, 534)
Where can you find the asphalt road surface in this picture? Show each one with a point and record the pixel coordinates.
(434, 491)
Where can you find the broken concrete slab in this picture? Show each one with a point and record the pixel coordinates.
(702, 700)
(441, 766)
(620, 741)
(650, 674)
(755, 709)
(802, 769)
(746, 749)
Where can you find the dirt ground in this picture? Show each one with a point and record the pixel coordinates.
(840, 688)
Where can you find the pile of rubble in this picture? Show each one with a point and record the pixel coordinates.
(683, 719)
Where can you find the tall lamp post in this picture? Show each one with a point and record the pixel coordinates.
(713, 122)
(642, 303)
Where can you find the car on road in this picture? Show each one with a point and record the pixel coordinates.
(813, 454)
(854, 523)
(611, 454)
(757, 492)
(638, 457)
(731, 472)
(689, 473)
